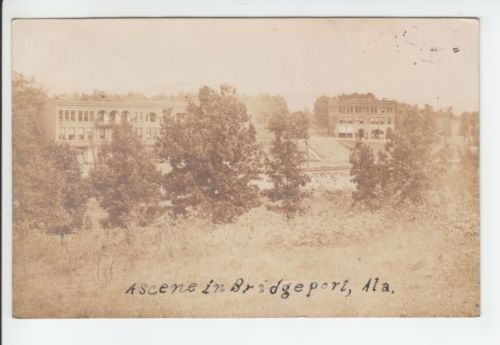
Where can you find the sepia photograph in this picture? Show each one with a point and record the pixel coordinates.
(245, 167)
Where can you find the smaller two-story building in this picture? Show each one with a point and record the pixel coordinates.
(361, 116)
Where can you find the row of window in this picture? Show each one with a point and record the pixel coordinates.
(374, 134)
(379, 120)
(72, 133)
(137, 116)
(73, 115)
(88, 116)
(370, 109)
(151, 133)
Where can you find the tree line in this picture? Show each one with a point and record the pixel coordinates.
(214, 166)
(414, 163)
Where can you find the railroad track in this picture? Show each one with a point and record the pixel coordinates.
(326, 169)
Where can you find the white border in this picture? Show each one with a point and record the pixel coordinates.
(483, 330)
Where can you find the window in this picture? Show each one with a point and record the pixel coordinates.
(80, 116)
(66, 115)
(152, 117)
(72, 115)
(389, 120)
(90, 133)
(148, 133)
(61, 115)
(124, 116)
(102, 133)
(155, 132)
(62, 133)
(92, 115)
(86, 116)
(139, 131)
(71, 133)
(81, 133)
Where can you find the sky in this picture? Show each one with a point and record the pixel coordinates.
(418, 61)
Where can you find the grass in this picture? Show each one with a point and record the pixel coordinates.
(428, 255)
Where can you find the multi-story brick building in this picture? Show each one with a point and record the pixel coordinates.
(85, 125)
(361, 116)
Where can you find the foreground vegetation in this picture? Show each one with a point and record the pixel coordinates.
(430, 254)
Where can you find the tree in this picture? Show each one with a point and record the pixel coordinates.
(42, 182)
(469, 173)
(365, 174)
(125, 180)
(406, 169)
(264, 106)
(410, 155)
(39, 195)
(321, 111)
(75, 189)
(469, 127)
(214, 156)
(285, 161)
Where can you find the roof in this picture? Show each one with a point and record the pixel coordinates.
(176, 106)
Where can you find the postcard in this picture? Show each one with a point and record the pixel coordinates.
(245, 167)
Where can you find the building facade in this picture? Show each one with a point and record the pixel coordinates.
(85, 125)
(361, 117)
